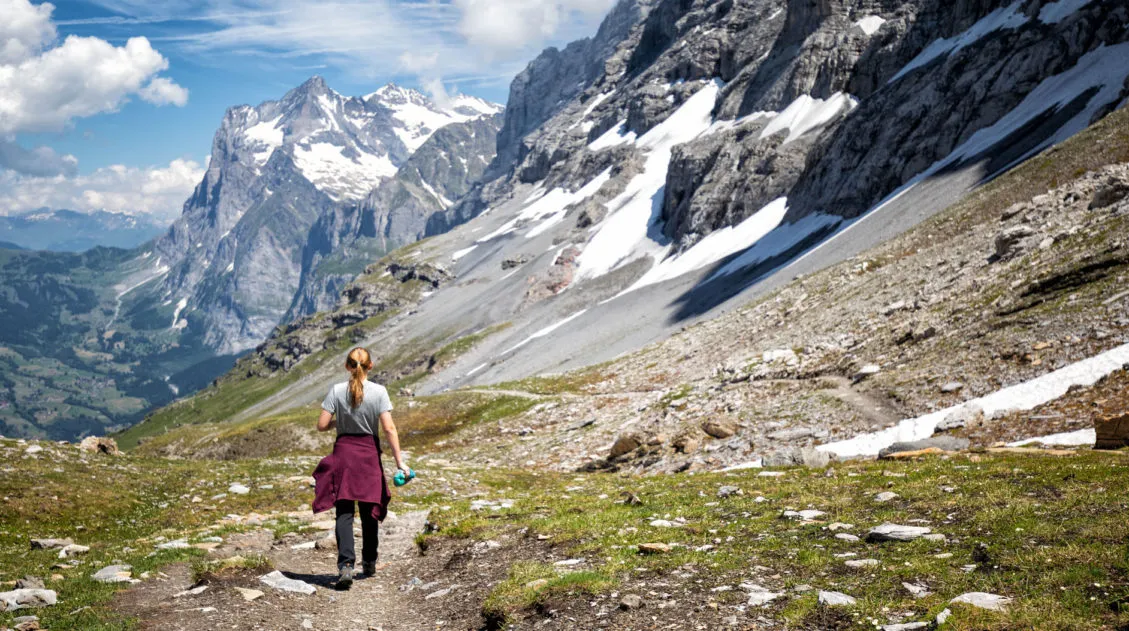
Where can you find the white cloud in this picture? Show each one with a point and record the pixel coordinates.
(464, 42)
(25, 29)
(159, 191)
(162, 91)
(43, 87)
(498, 26)
(41, 161)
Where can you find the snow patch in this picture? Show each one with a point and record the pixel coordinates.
(717, 245)
(805, 114)
(1056, 12)
(463, 252)
(545, 331)
(1009, 17)
(1064, 439)
(625, 234)
(1023, 396)
(341, 177)
(177, 323)
(870, 24)
(617, 135)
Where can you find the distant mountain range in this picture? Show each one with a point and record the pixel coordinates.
(71, 231)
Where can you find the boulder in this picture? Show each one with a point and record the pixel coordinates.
(896, 532)
(99, 445)
(719, 428)
(626, 443)
(631, 601)
(1112, 431)
(1109, 193)
(943, 443)
(26, 598)
(1013, 241)
(685, 443)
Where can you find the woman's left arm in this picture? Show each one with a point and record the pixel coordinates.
(326, 422)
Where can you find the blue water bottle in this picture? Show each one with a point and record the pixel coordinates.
(400, 478)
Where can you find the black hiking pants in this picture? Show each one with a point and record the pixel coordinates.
(370, 539)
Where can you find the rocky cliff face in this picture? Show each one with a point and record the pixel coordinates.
(237, 254)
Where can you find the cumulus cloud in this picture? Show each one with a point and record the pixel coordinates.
(25, 29)
(45, 86)
(41, 161)
(159, 191)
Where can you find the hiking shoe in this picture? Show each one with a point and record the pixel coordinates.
(345, 578)
(369, 568)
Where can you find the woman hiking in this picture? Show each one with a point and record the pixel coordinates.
(353, 473)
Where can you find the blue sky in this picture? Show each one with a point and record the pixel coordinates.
(145, 112)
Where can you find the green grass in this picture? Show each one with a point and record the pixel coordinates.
(1054, 527)
(119, 506)
(531, 584)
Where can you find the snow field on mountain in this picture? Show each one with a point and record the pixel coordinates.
(805, 114)
(623, 236)
(331, 171)
(548, 208)
(1023, 396)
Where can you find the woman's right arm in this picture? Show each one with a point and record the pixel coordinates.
(389, 428)
(326, 422)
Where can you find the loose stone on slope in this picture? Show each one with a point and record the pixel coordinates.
(281, 582)
(896, 532)
(26, 598)
(835, 599)
(113, 574)
(983, 600)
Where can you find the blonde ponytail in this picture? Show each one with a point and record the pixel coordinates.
(358, 362)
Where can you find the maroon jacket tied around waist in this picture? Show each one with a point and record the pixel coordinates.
(352, 472)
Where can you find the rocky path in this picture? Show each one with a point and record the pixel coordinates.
(396, 598)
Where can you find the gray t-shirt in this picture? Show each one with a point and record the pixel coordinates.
(363, 419)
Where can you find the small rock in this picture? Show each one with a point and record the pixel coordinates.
(26, 623)
(249, 594)
(835, 599)
(441, 593)
(653, 548)
(33, 449)
(759, 596)
(50, 544)
(846, 536)
(937, 537)
(113, 574)
(71, 550)
(719, 428)
(983, 600)
(326, 543)
(806, 515)
(885, 496)
(685, 444)
(896, 532)
(727, 491)
(30, 582)
(943, 617)
(195, 591)
(952, 386)
(917, 589)
(238, 489)
(858, 564)
(279, 581)
(868, 370)
(179, 544)
(308, 545)
(537, 584)
(663, 523)
(905, 626)
(631, 601)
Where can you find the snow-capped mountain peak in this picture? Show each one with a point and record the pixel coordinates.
(346, 145)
